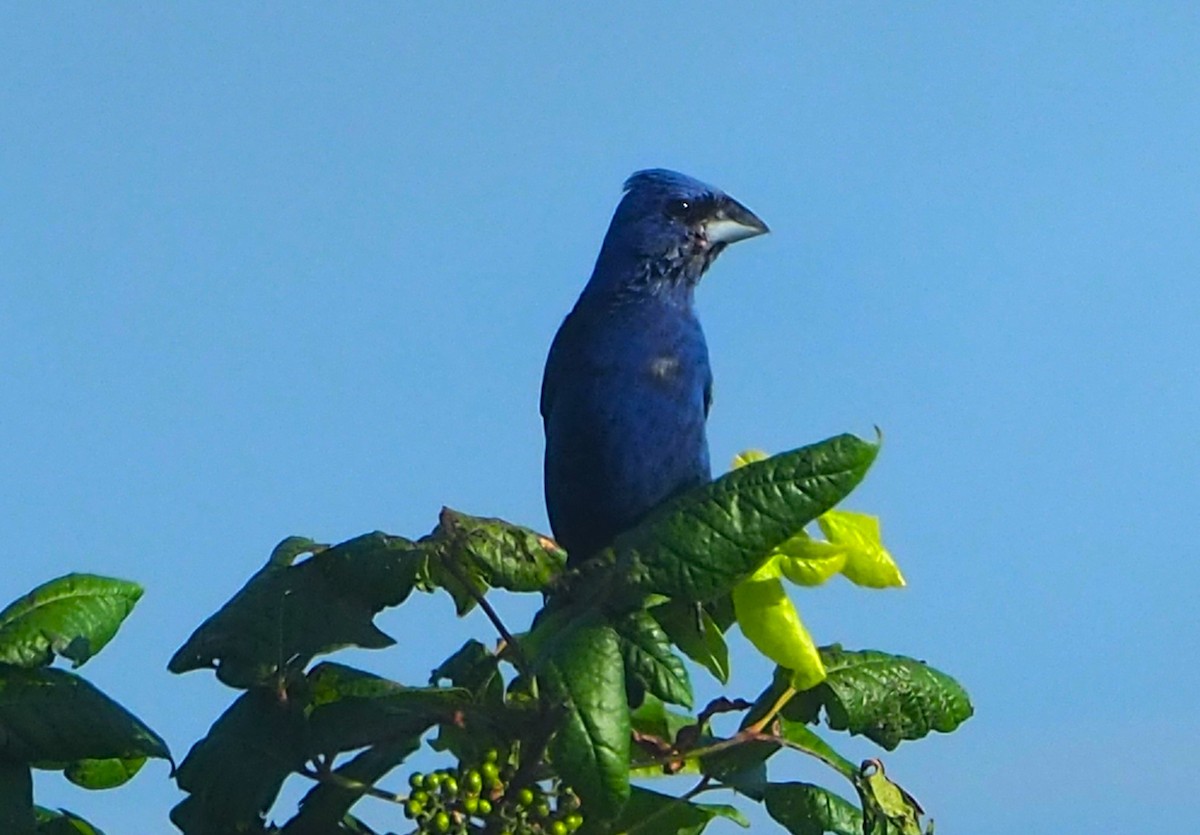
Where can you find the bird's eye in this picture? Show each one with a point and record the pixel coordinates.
(679, 208)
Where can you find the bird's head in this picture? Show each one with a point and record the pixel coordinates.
(672, 227)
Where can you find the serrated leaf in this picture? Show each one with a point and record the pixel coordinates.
(806, 809)
(769, 620)
(867, 563)
(16, 799)
(73, 616)
(495, 553)
(700, 545)
(52, 718)
(103, 774)
(352, 709)
(651, 813)
(697, 635)
(583, 674)
(233, 775)
(649, 659)
(286, 614)
(887, 698)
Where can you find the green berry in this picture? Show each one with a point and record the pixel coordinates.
(432, 781)
(474, 781)
(542, 810)
(442, 822)
(416, 780)
(559, 828)
(471, 805)
(413, 808)
(485, 806)
(449, 786)
(490, 770)
(420, 796)
(573, 821)
(525, 797)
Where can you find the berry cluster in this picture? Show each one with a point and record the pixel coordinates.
(469, 800)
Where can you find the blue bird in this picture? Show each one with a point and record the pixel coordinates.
(627, 386)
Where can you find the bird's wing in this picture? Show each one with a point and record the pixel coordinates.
(555, 363)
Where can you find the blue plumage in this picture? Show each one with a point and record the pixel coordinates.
(628, 385)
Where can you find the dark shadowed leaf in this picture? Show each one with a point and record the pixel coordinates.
(352, 709)
(286, 613)
(805, 809)
(651, 813)
(654, 718)
(233, 775)
(472, 666)
(887, 698)
(697, 635)
(62, 822)
(325, 807)
(53, 718)
(699, 545)
(649, 659)
(73, 616)
(16, 798)
(582, 671)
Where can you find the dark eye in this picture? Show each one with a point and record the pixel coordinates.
(679, 209)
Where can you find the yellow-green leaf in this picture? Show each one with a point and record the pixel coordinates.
(748, 456)
(769, 620)
(868, 563)
(810, 562)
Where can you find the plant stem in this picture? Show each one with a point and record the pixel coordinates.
(758, 726)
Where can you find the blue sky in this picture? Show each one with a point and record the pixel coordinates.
(271, 270)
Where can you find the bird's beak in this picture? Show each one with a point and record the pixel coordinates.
(732, 222)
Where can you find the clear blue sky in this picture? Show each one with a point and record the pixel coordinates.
(277, 270)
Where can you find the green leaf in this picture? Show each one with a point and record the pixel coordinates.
(286, 614)
(651, 813)
(701, 544)
(73, 616)
(887, 698)
(649, 659)
(52, 718)
(16, 798)
(805, 809)
(233, 775)
(697, 635)
(583, 675)
(803, 738)
(62, 822)
(654, 718)
(326, 805)
(352, 709)
(103, 774)
(887, 808)
(491, 553)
